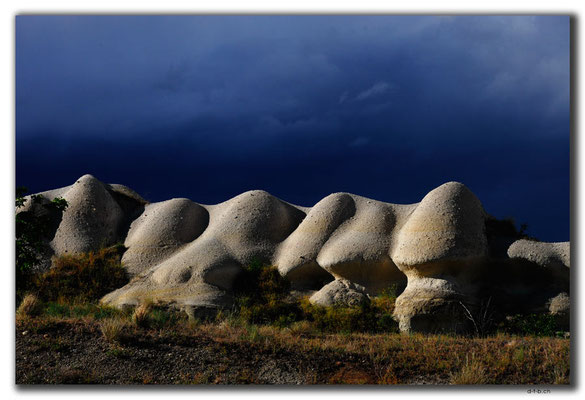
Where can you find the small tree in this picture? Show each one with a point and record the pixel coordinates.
(32, 228)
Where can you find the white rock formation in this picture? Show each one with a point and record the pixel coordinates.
(93, 218)
(340, 292)
(560, 308)
(547, 255)
(437, 248)
(188, 255)
(161, 230)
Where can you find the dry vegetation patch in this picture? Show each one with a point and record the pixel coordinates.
(82, 278)
(266, 338)
(29, 307)
(220, 352)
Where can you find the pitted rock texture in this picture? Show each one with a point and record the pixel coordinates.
(547, 255)
(348, 237)
(95, 217)
(560, 308)
(160, 231)
(553, 260)
(347, 247)
(340, 292)
(437, 248)
(448, 224)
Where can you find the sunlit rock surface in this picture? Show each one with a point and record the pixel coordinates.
(346, 247)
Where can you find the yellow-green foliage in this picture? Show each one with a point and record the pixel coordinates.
(261, 298)
(386, 300)
(273, 310)
(80, 310)
(363, 318)
(86, 277)
(261, 283)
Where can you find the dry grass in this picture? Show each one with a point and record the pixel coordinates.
(300, 328)
(112, 329)
(85, 277)
(29, 307)
(141, 316)
(561, 376)
(396, 359)
(473, 372)
(387, 358)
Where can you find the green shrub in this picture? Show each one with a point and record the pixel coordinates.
(387, 323)
(530, 325)
(252, 333)
(33, 229)
(83, 278)
(261, 283)
(163, 318)
(363, 318)
(273, 311)
(65, 310)
(386, 300)
(260, 296)
(149, 315)
(506, 227)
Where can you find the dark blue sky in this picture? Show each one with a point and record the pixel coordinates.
(387, 107)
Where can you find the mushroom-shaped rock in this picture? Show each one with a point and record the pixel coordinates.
(188, 255)
(340, 292)
(358, 249)
(296, 257)
(448, 224)
(433, 305)
(161, 230)
(438, 249)
(91, 220)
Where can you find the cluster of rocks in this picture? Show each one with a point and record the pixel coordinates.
(443, 253)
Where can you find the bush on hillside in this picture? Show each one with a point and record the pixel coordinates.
(33, 229)
(82, 278)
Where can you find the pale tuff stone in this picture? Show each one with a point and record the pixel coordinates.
(347, 247)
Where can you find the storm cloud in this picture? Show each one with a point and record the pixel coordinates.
(387, 107)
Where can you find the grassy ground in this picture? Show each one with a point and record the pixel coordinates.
(92, 344)
(64, 336)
